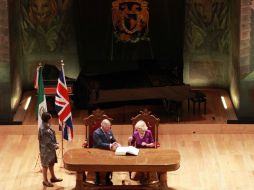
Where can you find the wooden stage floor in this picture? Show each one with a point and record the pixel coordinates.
(215, 112)
(208, 162)
(214, 155)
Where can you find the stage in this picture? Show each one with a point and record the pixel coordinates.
(213, 122)
(122, 112)
(214, 155)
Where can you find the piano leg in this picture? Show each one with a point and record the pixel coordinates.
(179, 111)
(173, 107)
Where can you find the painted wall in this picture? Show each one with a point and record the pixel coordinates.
(16, 54)
(5, 78)
(207, 43)
(47, 35)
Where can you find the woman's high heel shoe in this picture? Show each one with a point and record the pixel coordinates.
(47, 184)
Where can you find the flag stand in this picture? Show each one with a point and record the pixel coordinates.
(37, 163)
(61, 148)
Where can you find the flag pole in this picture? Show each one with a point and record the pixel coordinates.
(63, 108)
(38, 88)
(63, 124)
(62, 142)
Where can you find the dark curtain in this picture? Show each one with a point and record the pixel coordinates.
(100, 53)
(167, 34)
(94, 26)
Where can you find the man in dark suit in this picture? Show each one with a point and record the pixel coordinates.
(103, 138)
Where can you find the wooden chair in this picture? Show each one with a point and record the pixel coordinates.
(151, 121)
(93, 122)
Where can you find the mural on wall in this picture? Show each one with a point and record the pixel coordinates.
(47, 36)
(208, 26)
(130, 20)
(207, 40)
(43, 24)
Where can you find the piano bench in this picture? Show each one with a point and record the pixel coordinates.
(197, 97)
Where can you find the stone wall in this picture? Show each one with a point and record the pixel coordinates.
(245, 31)
(246, 61)
(5, 87)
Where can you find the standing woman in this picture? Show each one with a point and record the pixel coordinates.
(48, 146)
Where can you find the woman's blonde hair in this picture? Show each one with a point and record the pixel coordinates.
(141, 125)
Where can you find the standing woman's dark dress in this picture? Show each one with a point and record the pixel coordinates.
(47, 145)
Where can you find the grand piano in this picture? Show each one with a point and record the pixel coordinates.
(97, 90)
(50, 75)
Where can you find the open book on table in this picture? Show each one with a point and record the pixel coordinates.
(124, 150)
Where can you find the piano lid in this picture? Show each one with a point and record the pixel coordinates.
(50, 75)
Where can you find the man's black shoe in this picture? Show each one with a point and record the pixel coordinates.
(97, 178)
(84, 177)
(97, 182)
(109, 182)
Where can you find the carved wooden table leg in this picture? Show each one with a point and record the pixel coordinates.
(79, 181)
(163, 181)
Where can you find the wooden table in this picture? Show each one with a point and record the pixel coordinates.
(148, 160)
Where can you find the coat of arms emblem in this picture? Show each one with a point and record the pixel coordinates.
(130, 20)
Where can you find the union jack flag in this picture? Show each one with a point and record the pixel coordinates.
(63, 108)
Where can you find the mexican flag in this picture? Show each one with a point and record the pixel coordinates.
(41, 102)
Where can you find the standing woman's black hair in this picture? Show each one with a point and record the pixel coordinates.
(46, 116)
